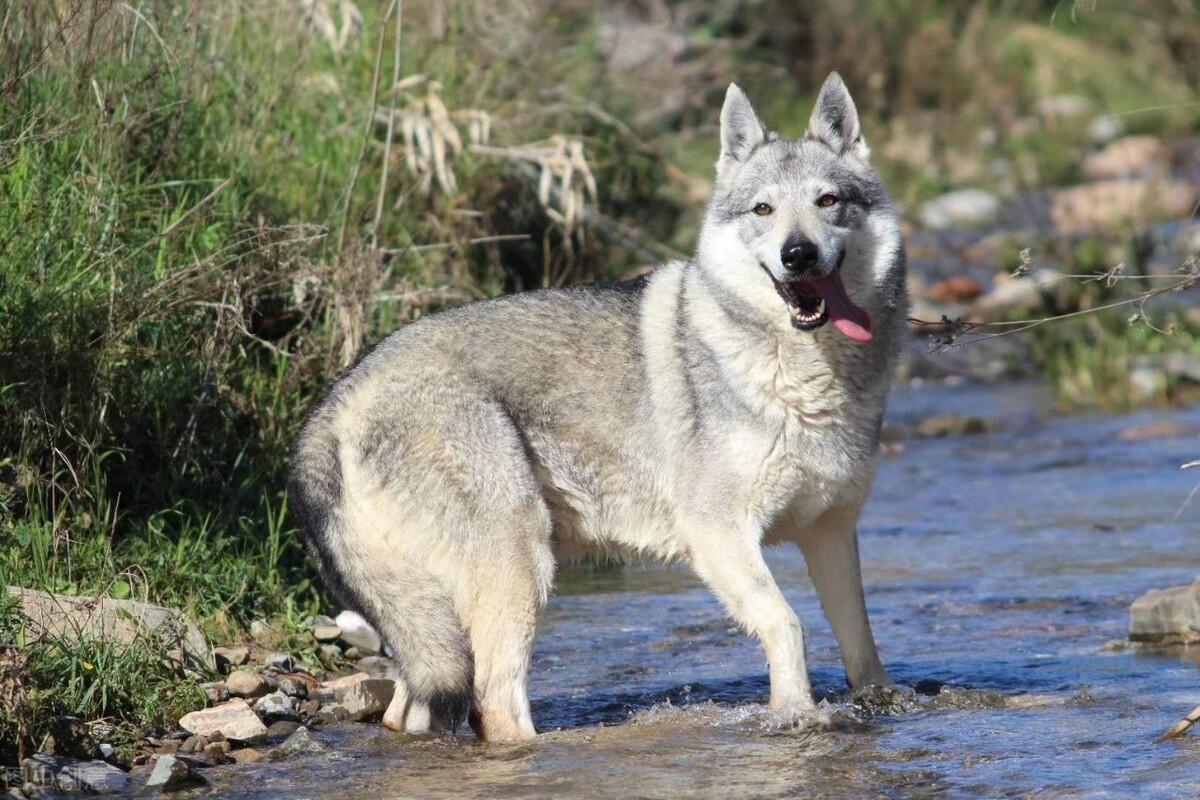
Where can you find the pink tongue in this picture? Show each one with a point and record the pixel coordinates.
(852, 321)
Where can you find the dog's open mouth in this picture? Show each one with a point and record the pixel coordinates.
(812, 302)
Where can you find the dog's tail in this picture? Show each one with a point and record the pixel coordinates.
(412, 613)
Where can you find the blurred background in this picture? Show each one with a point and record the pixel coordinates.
(207, 208)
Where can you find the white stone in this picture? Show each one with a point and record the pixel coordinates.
(233, 720)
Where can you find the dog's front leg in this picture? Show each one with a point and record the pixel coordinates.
(731, 563)
(830, 549)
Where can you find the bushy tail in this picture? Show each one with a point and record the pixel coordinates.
(410, 608)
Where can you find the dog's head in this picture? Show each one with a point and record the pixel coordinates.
(807, 220)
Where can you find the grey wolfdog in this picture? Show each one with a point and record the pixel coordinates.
(696, 415)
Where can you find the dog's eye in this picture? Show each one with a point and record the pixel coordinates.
(762, 209)
(827, 200)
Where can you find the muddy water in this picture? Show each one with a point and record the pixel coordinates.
(999, 565)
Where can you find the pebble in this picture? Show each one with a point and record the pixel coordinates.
(247, 756)
(293, 687)
(330, 653)
(234, 656)
(357, 632)
(300, 742)
(216, 692)
(280, 661)
(247, 683)
(276, 706)
(327, 633)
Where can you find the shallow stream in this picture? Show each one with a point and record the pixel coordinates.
(1001, 565)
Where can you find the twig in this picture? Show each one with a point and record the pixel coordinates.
(421, 248)
(366, 135)
(1181, 727)
(391, 127)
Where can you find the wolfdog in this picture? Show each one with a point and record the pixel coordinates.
(695, 415)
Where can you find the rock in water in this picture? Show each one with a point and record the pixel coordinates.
(71, 775)
(233, 720)
(172, 773)
(1167, 616)
(357, 632)
(367, 700)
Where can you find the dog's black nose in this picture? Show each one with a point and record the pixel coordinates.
(800, 255)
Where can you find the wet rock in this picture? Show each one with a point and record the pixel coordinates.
(967, 699)
(193, 744)
(885, 700)
(171, 773)
(960, 209)
(293, 686)
(928, 687)
(1167, 429)
(280, 661)
(122, 621)
(1127, 157)
(356, 632)
(321, 717)
(1120, 203)
(217, 752)
(941, 425)
(248, 756)
(233, 720)
(959, 289)
(1166, 616)
(229, 657)
(277, 706)
(300, 743)
(72, 775)
(247, 683)
(367, 700)
(282, 729)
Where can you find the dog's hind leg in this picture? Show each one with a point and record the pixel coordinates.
(509, 593)
(830, 549)
(406, 714)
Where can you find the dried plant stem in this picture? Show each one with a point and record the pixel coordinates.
(391, 128)
(958, 327)
(1181, 727)
(366, 135)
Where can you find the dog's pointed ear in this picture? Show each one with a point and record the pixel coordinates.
(741, 134)
(835, 122)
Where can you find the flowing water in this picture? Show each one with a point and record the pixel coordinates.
(1001, 565)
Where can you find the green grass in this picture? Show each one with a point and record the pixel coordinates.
(186, 232)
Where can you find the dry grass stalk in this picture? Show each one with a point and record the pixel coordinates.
(566, 185)
(320, 15)
(430, 133)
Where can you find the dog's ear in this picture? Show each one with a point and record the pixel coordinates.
(741, 134)
(834, 120)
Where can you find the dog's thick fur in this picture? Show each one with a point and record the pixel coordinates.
(682, 416)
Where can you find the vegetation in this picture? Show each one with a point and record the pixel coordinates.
(207, 208)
